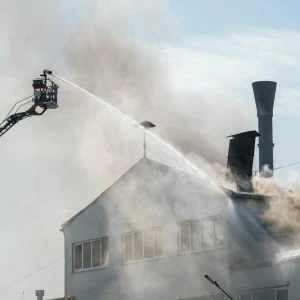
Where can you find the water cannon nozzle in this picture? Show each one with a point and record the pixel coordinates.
(47, 71)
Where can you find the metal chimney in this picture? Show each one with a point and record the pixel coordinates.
(240, 159)
(264, 94)
(39, 294)
(147, 125)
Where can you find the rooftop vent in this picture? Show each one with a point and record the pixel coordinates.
(240, 159)
(264, 94)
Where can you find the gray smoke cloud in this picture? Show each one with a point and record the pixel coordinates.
(283, 208)
(133, 75)
(57, 164)
(109, 60)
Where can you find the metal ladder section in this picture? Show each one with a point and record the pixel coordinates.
(13, 120)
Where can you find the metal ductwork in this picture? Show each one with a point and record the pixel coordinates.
(264, 94)
(39, 294)
(240, 159)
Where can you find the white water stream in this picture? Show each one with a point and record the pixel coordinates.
(172, 150)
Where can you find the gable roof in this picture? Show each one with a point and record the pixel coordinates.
(248, 231)
(154, 168)
(68, 222)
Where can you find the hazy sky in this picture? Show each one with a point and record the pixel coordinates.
(248, 41)
(212, 17)
(185, 65)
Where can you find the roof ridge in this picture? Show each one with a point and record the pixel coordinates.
(143, 159)
(119, 178)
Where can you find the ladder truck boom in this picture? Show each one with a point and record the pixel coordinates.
(44, 97)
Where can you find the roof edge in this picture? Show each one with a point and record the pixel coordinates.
(242, 195)
(166, 167)
(68, 222)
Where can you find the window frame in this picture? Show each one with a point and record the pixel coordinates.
(201, 220)
(82, 269)
(252, 291)
(212, 296)
(131, 233)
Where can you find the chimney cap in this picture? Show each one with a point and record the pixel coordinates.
(251, 133)
(147, 124)
(39, 292)
(264, 82)
(264, 95)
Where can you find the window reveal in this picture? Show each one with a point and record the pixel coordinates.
(78, 256)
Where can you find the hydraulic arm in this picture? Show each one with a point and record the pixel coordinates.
(44, 97)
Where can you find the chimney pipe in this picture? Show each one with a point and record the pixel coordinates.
(147, 125)
(264, 94)
(240, 159)
(39, 294)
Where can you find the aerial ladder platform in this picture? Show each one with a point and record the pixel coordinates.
(44, 97)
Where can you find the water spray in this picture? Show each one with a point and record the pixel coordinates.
(217, 285)
(172, 150)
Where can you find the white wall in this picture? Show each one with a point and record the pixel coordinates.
(147, 196)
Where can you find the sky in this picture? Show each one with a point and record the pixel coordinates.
(265, 33)
(212, 17)
(187, 66)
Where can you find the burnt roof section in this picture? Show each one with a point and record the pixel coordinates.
(251, 133)
(243, 195)
(257, 241)
(251, 238)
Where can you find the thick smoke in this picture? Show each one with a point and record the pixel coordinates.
(62, 161)
(283, 207)
(134, 75)
(109, 60)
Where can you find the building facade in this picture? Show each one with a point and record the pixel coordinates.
(157, 231)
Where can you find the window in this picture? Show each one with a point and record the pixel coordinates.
(209, 297)
(265, 294)
(142, 245)
(198, 235)
(91, 254)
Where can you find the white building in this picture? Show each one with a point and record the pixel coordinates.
(157, 231)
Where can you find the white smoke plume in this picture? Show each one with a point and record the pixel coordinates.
(63, 160)
(283, 212)
(135, 76)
